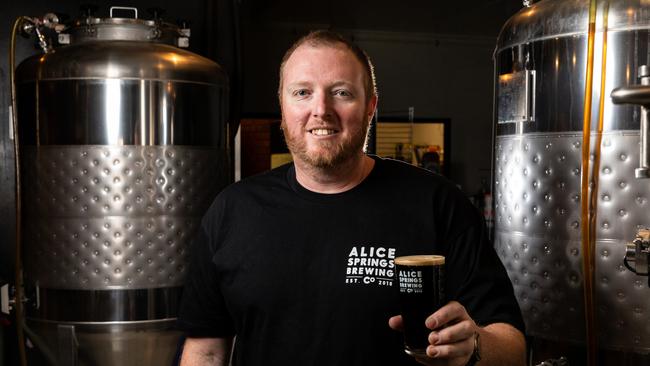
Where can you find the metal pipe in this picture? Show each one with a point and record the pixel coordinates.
(639, 94)
(644, 159)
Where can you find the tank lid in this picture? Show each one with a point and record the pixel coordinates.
(88, 28)
(566, 18)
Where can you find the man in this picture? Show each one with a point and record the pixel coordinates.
(297, 263)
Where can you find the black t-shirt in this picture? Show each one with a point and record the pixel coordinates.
(303, 278)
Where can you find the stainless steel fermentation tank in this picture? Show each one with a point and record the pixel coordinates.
(123, 147)
(541, 63)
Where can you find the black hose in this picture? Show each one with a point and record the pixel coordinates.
(19, 274)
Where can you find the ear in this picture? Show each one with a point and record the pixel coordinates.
(372, 106)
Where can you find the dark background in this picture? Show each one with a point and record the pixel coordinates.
(435, 56)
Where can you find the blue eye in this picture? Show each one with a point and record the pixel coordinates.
(301, 93)
(342, 93)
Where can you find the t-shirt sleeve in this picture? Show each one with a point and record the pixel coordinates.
(203, 312)
(477, 278)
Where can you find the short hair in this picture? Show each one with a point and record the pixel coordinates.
(329, 38)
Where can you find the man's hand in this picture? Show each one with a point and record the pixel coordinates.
(451, 341)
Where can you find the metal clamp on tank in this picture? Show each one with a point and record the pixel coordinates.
(639, 94)
(637, 254)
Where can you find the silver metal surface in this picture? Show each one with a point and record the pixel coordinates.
(547, 279)
(644, 148)
(127, 344)
(102, 306)
(640, 95)
(125, 29)
(537, 189)
(631, 254)
(122, 112)
(108, 217)
(68, 345)
(134, 10)
(559, 65)
(550, 19)
(640, 258)
(622, 301)
(538, 169)
(123, 144)
(538, 233)
(637, 253)
(537, 185)
(537, 220)
(121, 60)
(516, 97)
(642, 173)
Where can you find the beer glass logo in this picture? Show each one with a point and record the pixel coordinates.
(410, 281)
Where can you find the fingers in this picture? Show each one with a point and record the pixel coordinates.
(454, 333)
(396, 323)
(453, 312)
(462, 349)
(452, 337)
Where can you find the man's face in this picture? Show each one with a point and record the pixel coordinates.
(325, 114)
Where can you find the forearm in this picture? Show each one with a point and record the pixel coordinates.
(502, 345)
(206, 352)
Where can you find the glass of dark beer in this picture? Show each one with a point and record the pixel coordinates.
(421, 293)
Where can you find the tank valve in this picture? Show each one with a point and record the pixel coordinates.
(637, 253)
(35, 25)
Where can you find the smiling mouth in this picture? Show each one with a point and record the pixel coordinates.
(322, 131)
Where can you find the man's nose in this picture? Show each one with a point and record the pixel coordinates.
(322, 107)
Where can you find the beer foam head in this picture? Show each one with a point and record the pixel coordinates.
(420, 260)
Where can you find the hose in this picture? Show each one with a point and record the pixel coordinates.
(589, 199)
(14, 120)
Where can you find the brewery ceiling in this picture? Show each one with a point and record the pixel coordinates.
(469, 17)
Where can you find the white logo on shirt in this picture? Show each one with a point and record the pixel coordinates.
(371, 265)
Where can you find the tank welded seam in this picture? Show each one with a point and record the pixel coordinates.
(567, 35)
(126, 322)
(27, 81)
(524, 235)
(201, 148)
(520, 234)
(542, 135)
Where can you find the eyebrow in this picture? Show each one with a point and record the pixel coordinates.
(343, 83)
(299, 84)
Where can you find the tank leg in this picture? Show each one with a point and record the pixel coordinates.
(68, 345)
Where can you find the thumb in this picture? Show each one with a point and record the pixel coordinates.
(396, 323)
